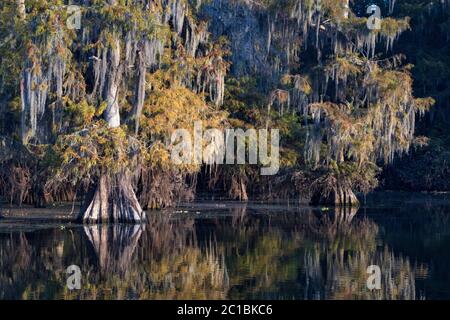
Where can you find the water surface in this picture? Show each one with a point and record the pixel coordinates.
(238, 251)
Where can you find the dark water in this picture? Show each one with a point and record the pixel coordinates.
(235, 251)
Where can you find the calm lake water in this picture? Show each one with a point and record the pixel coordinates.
(235, 251)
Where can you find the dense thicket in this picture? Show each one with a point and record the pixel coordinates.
(87, 114)
(93, 107)
(341, 94)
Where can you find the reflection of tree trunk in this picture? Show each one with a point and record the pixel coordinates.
(338, 222)
(345, 215)
(114, 245)
(24, 252)
(239, 215)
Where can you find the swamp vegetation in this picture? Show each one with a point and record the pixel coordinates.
(86, 114)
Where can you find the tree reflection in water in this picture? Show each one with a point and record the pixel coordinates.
(114, 246)
(336, 266)
(239, 253)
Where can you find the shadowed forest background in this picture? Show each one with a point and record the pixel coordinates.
(87, 114)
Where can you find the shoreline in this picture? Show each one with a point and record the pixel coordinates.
(67, 212)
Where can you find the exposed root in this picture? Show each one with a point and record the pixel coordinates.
(112, 200)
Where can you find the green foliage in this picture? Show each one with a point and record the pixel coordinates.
(343, 99)
(344, 110)
(92, 152)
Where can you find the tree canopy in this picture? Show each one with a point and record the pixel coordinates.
(90, 111)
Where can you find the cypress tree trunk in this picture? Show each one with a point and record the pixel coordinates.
(140, 91)
(21, 12)
(112, 199)
(346, 9)
(338, 196)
